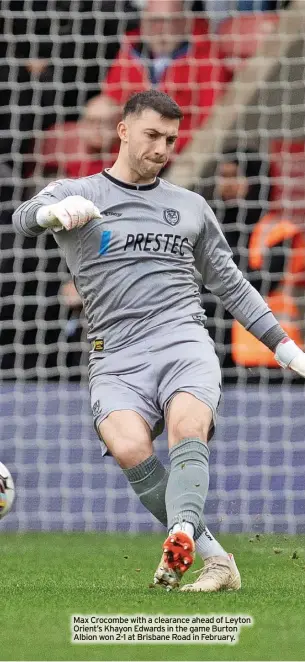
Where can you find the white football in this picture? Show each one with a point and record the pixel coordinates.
(7, 490)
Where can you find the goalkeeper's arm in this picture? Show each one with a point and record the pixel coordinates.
(57, 207)
(213, 259)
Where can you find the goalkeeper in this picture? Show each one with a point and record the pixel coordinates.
(132, 242)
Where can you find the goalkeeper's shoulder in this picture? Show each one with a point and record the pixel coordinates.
(59, 189)
(169, 187)
(87, 187)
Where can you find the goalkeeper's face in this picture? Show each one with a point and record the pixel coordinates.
(148, 141)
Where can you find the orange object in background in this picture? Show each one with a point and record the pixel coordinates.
(283, 302)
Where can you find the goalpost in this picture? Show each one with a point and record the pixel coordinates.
(46, 434)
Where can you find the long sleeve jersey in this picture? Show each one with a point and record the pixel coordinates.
(135, 267)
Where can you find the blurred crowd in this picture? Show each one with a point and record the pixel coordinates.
(66, 69)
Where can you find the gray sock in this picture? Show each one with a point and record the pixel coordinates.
(149, 481)
(188, 483)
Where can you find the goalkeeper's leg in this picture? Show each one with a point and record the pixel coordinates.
(134, 453)
(190, 425)
(149, 480)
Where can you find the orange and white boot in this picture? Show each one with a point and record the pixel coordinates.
(178, 555)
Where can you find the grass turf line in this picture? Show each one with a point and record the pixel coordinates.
(46, 577)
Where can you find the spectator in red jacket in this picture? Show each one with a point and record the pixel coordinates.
(173, 52)
(85, 147)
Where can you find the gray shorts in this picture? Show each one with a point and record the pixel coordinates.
(145, 376)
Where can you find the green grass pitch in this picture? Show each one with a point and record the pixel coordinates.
(47, 577)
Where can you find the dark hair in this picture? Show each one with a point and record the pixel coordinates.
(155, 100)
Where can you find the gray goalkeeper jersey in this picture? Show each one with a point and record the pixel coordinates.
(135, 267)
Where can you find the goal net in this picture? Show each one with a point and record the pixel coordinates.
(53, 58)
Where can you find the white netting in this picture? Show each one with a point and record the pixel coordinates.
(46, 436)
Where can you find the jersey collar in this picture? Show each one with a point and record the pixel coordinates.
(134, 187)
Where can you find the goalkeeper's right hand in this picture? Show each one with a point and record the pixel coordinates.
(72, 212)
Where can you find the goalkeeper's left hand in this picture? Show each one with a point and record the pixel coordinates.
(289, 355)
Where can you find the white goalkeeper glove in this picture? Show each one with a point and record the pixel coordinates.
(289, 355)
(72, 212)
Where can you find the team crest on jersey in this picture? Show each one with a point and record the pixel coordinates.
(171, 216)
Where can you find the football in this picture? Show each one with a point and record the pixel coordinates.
(7, 490)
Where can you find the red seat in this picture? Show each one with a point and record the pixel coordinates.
(240, 36)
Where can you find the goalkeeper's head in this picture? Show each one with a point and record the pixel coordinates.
(148, 132)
